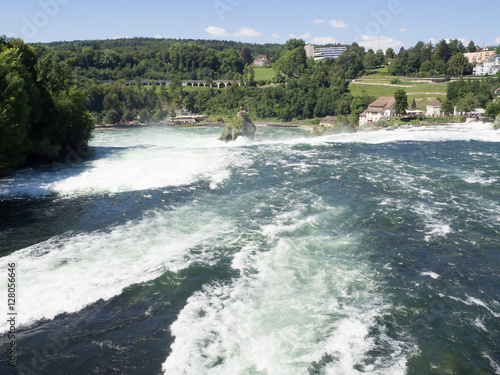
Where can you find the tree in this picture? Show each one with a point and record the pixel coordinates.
(440, 66)
(471, 47)
(369, 61)
(468, 103)
(401, 102)
(447, 107)
(414, 103)
(15, 111)
(413, 63)
(493, 109)
(144, 116)
(112, 116)
(443, 51)
(40, 113)
(496, 123)
(246, 55)
(292, 44)
(426, 66)
(380, 58)
(291, 62)
(389, 53)
(458, 65)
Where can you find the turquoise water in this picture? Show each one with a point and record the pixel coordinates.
(165, 251)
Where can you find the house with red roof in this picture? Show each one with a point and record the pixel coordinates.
(434, 108)
(382, 108)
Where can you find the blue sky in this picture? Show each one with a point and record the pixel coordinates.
(372, 23)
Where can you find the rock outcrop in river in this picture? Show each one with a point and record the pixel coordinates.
(242, 126)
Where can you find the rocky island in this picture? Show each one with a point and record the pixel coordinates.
(242, 126)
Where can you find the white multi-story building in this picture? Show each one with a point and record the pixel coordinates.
(324, 52)
(309, 50)
(382, 108)
(490, 67)
(479, 57)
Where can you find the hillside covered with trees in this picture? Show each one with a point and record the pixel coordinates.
(42, 113)
(48, 90)
(302, 88)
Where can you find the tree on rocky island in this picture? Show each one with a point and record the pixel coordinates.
(241, 126)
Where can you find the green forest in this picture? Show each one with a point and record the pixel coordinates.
(42, 112)
(52, 94)
(301, 88)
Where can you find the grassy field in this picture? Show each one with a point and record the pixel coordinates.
(264, 74)
(423, 93)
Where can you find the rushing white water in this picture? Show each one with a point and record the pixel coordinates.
(67, 273)
(154, 159)
(303, 297)
(477, 131)
(309, 299)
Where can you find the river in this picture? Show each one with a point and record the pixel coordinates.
(166, 251)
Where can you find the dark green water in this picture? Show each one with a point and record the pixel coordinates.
(166, 251)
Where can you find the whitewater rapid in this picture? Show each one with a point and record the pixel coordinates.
(304, 294)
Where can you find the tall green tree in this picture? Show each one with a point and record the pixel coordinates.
(15, 110)
(389, 53)
(458, 65)
(447, 107)
(246, 55)
(471, 47)
(401, 102)
(41, 113)
(468, 103)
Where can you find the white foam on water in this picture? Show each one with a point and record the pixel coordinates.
(473, 301)
(477, 178)
(67, 273)
(159, 159)
(480, 324)
(477, 131)
(306, 298)
(431, 274)
(493, 364)
(436, 227)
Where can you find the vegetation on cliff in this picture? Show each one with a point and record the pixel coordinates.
(41, 112)
(241, 126)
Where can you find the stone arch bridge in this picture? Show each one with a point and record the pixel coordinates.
(187, 83)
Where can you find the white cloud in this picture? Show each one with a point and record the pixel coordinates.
(403, 30)
(337, 24)
(158, 36)
(433, 41)
(216, 31)
(301, 36)
(122, 37)
(276, 36)
(375, 42)
(324, 40)
(318, 21)
(497, 40)
(247, 31)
